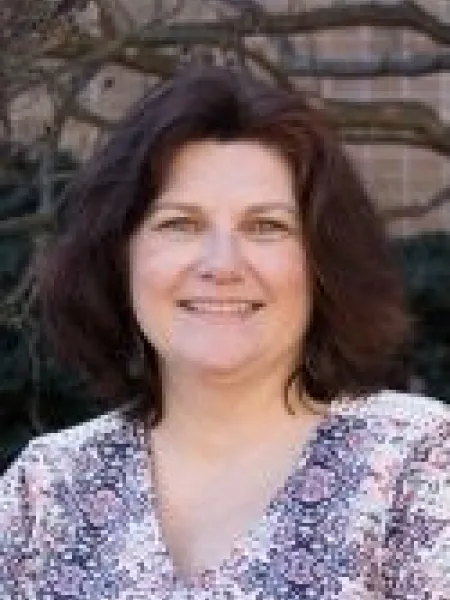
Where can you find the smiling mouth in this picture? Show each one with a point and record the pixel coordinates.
(221, 312)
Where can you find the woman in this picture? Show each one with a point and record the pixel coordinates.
(222, 277)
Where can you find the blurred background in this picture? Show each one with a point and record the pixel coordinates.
(69, 69)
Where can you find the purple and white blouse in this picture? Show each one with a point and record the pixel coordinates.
(364, 515)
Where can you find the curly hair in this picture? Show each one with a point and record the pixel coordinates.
(360, 319)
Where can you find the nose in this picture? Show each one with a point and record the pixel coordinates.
(220, 256)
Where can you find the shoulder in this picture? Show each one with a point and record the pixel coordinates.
(417, 534)
(422, 422)
(61, 486)
(398, 417)
(103, 427)
(61, 455)
(397, 429)
(408, 405)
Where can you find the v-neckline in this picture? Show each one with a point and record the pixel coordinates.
(242, 542)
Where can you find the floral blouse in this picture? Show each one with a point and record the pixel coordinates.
(364, 515)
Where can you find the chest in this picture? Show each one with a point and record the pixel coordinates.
(201, 517)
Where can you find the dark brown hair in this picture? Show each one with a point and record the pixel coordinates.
(359, 319)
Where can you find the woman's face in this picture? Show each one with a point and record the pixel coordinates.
(224, 229)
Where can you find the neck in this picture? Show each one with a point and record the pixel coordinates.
(221, 420)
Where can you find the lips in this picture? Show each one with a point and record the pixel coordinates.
(220, 303)
(222, 307)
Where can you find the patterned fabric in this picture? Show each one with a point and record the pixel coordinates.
(364, 515)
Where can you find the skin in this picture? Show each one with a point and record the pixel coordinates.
(223, 378)
(226, 375)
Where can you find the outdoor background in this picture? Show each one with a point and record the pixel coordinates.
(70, 69)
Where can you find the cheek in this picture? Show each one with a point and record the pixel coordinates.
(288, 272)
(290, 280)
(152, 267)
(151, 278)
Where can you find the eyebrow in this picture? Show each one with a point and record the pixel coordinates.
(188, 206)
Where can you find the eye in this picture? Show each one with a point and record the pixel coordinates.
(186, 224)
(177, 223)
(269, 225)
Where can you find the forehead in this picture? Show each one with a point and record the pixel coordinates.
(239, 171)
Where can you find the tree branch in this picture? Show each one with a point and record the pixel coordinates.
(135, 58)
(414, 211)
(253, 10)
(398, 138)
(392, 121)
(84, 115)
(31, 223)
(405, 14)
(415, 65)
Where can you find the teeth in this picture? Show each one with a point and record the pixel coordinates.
(237, 308)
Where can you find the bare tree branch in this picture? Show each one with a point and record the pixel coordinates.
(35, 363)
(417, 210)
(399, 138)
(406, 14)
(31, 223)
(135, 58)
(274, 69)
(14, 301)
(119, 10)
(415, 65)
(107, 18)
(80, 51)
(397, 121)
(84, 115)
(253, 11)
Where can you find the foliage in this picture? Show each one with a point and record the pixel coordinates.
(425, 260)
(31, 401)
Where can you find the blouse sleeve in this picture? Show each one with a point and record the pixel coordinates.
(417, 542)
(18, 528)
